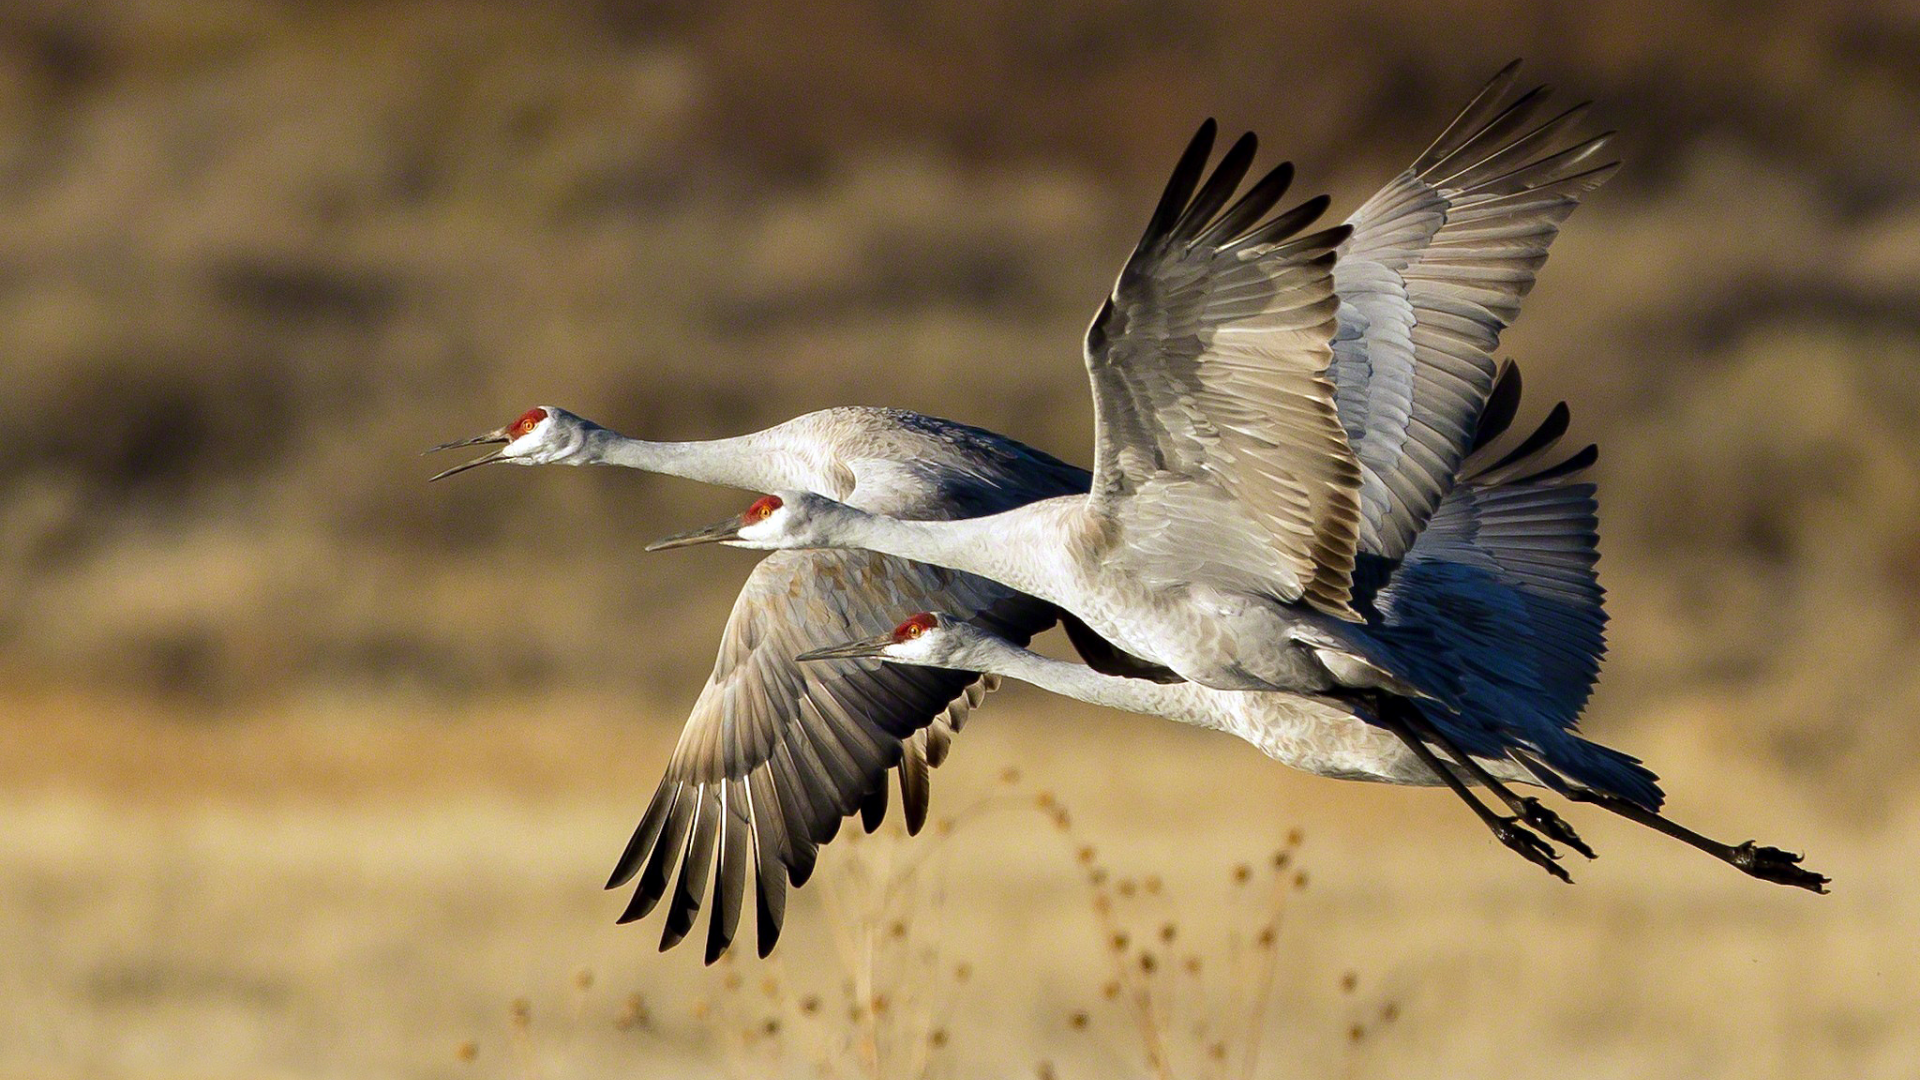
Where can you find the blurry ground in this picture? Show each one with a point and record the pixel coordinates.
(310, 769)
(367, 897)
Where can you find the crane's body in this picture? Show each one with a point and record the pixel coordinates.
(1319, 735)
(889, 461)
(1322, 735)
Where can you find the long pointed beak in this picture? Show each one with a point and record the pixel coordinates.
(497, 436)
(716, 533)
(851, 650)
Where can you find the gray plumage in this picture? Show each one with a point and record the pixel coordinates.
(1500, 584)
(1220, 533)
(1432, 269)
(774, 753)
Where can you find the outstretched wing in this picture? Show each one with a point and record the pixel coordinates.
(1218, 449)
(1437, 265)
(1499, 590)
(777, 751)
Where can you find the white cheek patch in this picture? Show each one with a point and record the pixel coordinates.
(766, 532)
(913, 649)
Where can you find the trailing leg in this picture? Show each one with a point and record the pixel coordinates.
(1509, 831)
(1765, 863)
(1528, 809)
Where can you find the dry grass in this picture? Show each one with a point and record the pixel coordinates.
(378, 907)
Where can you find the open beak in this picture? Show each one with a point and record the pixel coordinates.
(496, 436)
(851, 650)
(718, 532)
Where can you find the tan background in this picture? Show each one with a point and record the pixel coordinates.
(308, 769)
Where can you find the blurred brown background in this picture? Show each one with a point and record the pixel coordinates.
(307, 768)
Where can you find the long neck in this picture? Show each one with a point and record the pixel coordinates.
(756, 462)
(1024, 548)
(1185, 702)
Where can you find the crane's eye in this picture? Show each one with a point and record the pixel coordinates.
(914, 627)
(763, 508)
(527, 422)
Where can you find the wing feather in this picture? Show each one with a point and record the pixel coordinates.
(1219, 450)
(776, 752)
(731, 885)
(1435, 269)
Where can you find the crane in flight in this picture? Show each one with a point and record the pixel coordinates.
(1230, 495)
(775, 752)
(1500, 583)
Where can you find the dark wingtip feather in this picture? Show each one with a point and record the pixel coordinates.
(659, 869)
(801, 869)
(673, 934)
(634, 911)
(1544, 436)
(770, 907)
(873, 807)
(1503, 404)
(1292, 221)
(1579, 462)
(767, 937)
(1218, 189)
(694, 869)
(640, 845)
(679, 922)
(1251, 207)
(1180, 186)
(730, 881)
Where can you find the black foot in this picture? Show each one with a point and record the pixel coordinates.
(1552, 825)
(1531, 848)
(1779, 867)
